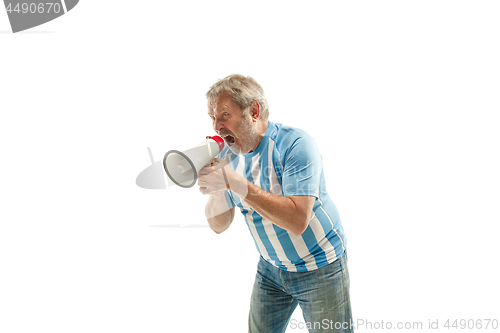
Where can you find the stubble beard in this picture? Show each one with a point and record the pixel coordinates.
(248, 138)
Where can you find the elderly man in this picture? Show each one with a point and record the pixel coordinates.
(274, 174)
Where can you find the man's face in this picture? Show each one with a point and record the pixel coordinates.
(237, 131)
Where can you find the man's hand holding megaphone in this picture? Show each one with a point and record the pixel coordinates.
(215, 178)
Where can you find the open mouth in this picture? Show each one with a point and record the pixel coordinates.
(229, 139)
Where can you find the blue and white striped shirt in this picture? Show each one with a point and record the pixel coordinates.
(287, 162)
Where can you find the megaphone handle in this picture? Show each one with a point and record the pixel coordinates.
(225, 179)
(220, 165)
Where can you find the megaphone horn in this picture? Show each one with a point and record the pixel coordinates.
(182, 167)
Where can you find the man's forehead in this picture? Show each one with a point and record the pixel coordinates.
(219, 104)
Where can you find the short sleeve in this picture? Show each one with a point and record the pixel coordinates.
(302, 167)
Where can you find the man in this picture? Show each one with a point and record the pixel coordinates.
(274, 175)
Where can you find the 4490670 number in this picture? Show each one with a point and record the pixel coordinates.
(471, 324)
(40, 8)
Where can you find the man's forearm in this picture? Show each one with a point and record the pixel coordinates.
(288, 213)
(218, 213)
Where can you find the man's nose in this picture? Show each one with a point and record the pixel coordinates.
(217, 125)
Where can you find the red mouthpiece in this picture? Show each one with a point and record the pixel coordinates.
(219, 140)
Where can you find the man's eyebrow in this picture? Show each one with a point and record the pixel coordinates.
(217, 111)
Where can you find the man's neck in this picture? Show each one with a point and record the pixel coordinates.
(261, 130)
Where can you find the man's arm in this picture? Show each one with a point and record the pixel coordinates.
(289, 213)
(218, 213)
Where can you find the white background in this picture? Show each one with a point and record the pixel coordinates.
(402, 98)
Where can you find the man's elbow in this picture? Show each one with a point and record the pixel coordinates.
(300, 227)
(302, 213)
(218, 227)
(218, 231)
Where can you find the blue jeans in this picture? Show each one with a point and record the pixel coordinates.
(323, 295)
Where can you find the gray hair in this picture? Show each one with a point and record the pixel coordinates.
(244, 90)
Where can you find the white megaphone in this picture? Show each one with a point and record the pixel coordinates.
(182, 167)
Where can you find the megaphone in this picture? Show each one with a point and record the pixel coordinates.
(182, 167)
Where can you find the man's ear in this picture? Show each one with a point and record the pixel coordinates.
(255, 110)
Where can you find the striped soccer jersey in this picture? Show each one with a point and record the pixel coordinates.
(287, 162)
